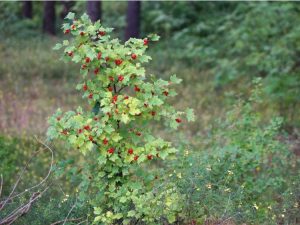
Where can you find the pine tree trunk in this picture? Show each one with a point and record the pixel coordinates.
(49, 17)
(27, 9)
(94, 10)
(67, 6)
(133, 19)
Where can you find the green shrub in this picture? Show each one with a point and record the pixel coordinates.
(245, 173)
(115, 135)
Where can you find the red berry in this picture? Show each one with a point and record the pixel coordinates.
(110, 89)
(105, 141)
(85, 87)
(130, 151)
(70, 54)
(111, 150)
(83, 66)
(87, 59)
(73, 27)
(96, 71)
(118, 62)
(106, 59)
(153, 113)
(166, 93)
(81, 33)
(136, 88)
(120, 78)
(67, 31)
(115, 98)
(138, 133)
(102, 33)
(178, 120)
(91, 95)
(64, 132)
(79, 131)
(58, 118)
(146, 41)
(126, 97)
(111, 78)
(133, 56)
(91, 138)
(149, 156)
(136, 157)
(95, 118)
(87, 127)
(99, 55)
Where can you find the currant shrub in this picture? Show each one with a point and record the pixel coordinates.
(115, 130)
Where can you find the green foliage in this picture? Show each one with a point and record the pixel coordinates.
(246, 40)
(244, 173)
(14, 25)
(116, 134)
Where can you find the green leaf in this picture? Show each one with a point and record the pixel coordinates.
(116, 137)
(123, 199)
(85, 18)
(190, 116)
(131, 213)
(70, 16)
(171, 218)
(65, 43)
(76, 58)
(175, 80)
(153, 37)
(125, 118)
(57, 46)
(155, 101)
(72, 139)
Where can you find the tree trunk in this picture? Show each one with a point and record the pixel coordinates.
(94, 10)
(27, 9)
(133, 19)
(67, 5)
(49, 17)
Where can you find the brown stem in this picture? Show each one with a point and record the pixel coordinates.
(121, 89)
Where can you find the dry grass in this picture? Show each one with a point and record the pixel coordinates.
(25, 105)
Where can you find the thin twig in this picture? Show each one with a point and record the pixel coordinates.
(26, 166)
(70, 211)
(3, 203)
(82, 222)
(68, 220)
(22, 209)
(1, 184)
(121, 89)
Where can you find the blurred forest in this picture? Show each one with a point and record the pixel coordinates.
(241, 163)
